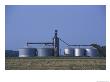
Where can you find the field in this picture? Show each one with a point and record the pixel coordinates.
(55, 63)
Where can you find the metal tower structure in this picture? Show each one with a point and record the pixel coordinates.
(56, 44)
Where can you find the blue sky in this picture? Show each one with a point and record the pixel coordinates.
(76, 24)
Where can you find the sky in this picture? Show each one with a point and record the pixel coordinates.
(76, 24)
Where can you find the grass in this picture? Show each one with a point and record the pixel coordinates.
(55, 63)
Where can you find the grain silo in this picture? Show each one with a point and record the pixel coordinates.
(27, 52)
(91, 52)
(69, 51)
(45, 52)
(79, 52)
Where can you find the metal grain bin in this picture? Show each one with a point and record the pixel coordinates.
(79, 52)
(43, 52)
(69, 51)
(27, 52)
(91, 52)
